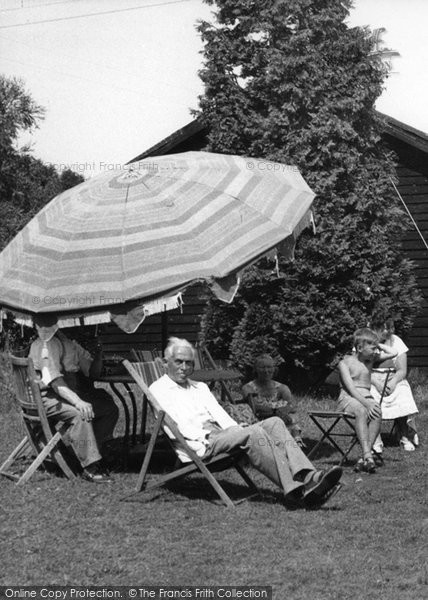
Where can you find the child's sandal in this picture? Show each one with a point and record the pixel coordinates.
(369, 465)
(359, 466)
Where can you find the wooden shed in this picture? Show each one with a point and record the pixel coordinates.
(411, 147)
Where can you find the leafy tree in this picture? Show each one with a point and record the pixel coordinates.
(287, 80)
(69, 179)
(18, 112)
(26, 183)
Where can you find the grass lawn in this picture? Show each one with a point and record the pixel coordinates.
(369, 542)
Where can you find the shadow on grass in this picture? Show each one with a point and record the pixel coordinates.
(196, 489)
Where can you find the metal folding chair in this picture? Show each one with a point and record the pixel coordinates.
(336, 425)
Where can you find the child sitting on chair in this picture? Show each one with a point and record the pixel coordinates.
(355, 398)
(269, 398)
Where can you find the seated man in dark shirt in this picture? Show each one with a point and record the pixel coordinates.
(68, 394)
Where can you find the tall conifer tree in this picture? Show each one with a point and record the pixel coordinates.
(289, 81)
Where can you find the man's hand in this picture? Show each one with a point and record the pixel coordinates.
(85, 409)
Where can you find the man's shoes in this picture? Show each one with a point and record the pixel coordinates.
(406, 444)
(321, 500)
(95, 473)
(322, 486)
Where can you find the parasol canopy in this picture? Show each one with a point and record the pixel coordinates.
(127, 241)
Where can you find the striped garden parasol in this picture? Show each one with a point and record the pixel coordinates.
(125, 240)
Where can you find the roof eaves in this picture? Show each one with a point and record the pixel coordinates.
(165, 145)
(414, 137)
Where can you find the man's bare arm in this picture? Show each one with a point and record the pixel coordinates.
(85, 408)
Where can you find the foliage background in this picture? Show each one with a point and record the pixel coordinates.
(26, 183)
(290, 82)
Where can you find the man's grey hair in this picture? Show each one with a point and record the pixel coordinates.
(174, 344)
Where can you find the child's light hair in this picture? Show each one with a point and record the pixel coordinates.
(364, 336)
(260, 358)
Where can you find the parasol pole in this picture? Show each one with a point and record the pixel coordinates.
(164, 328)
(410, 214)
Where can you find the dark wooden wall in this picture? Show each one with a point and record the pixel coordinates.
(413, 186)
(183, 323)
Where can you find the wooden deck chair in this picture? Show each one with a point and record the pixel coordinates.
(40, 437)
(165, 424)
(150, 371)
(141, 355)
(336, 425)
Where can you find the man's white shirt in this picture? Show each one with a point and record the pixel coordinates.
(190, 407)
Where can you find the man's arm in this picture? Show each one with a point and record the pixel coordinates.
(85, 408)
(218, 413)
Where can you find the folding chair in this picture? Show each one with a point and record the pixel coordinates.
(330, 431)
(40, 438)
(165, 424)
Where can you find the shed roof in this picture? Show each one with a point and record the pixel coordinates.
(197, 129)
(169, 144)
(411, 136)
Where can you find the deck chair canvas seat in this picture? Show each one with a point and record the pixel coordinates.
(150, 371)
(143, 355)
(165, 424)
(41, 437)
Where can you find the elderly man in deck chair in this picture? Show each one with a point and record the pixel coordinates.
(209, 430)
